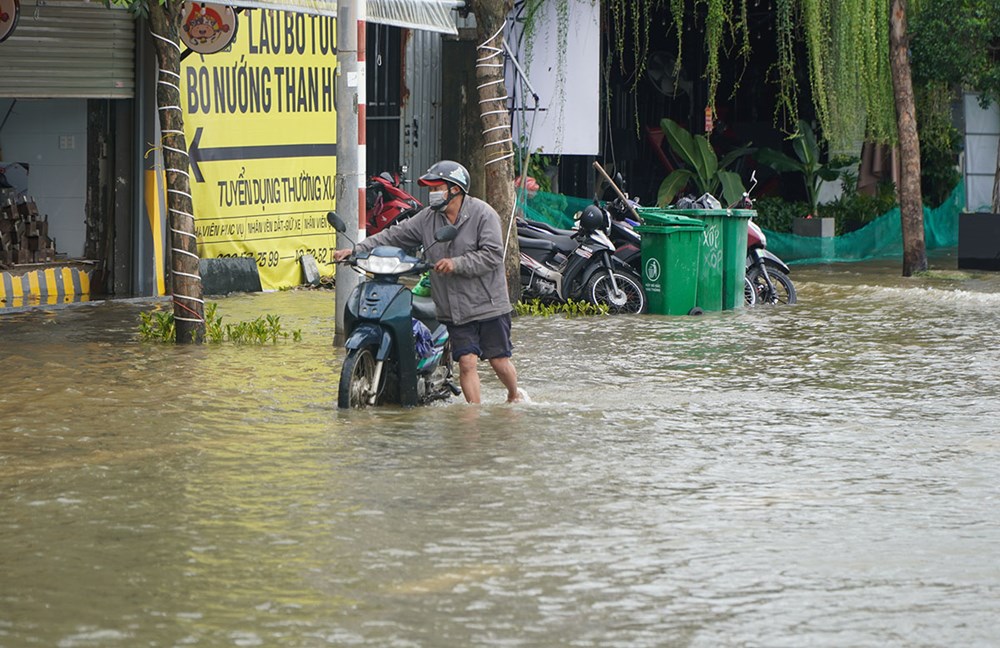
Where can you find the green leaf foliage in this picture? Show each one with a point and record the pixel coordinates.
(159, 326)
(569, 308)
(703, 168)
(806, 161)
(958, 42)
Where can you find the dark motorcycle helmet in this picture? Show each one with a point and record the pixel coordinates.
(447, 171)
(592, 218)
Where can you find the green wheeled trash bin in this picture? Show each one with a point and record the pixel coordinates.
(723, 255)
(671, 251)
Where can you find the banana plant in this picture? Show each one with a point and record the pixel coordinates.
(807, 151)
(703, 167)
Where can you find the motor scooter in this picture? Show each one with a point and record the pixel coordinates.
(386, 202)
(397, 350)
(559, 265)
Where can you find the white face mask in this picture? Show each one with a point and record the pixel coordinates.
(438, 199)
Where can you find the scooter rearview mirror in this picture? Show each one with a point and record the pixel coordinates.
(443, 234)
(446, 233)
(338, 224)
(335, 222)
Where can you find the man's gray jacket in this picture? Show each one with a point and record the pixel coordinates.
(477, 289)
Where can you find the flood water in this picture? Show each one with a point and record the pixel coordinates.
(825, 474)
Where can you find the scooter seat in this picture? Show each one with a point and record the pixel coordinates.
(548, 228)
(423, 308)
(541, 241)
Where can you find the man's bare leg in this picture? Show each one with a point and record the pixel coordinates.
(468, 377)
(507, 374)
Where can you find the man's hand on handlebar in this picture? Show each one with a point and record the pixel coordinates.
(444, 266)
(340, 255)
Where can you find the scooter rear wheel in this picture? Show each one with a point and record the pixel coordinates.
(357, 379)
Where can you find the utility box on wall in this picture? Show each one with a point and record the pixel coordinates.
(979, 241)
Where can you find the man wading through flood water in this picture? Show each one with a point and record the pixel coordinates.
(468, 284)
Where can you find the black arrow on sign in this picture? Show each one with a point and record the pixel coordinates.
(262, 152)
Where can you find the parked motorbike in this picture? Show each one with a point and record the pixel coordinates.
(397, 350)
(559, 265)
(386, 202)
(627, 241)
(766, 275)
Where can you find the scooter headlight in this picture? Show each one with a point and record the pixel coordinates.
(386, 261)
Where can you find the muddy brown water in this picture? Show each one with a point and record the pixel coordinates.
(826, 474)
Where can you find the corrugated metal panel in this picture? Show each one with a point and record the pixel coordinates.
(421, 122)
(66, 48)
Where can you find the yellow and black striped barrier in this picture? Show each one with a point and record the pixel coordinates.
(46, 286)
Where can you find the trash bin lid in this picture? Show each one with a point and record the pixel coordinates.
(668, 218)
(657, 212)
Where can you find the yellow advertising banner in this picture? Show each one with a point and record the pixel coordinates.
(261, 132)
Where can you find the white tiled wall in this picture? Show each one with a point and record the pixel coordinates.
(50, 135)
(982, 136)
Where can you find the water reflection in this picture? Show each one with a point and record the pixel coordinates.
(816, 475)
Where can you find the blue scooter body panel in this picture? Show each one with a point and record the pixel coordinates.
(387, 307)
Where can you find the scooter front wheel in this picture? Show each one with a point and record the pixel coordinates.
(783, 291)
(358, 386)
(630, 298)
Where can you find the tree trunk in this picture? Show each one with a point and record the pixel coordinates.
(499, 165)
(996, 185)
(185, 277)
(910, 200)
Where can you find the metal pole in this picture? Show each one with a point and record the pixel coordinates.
(351, 155)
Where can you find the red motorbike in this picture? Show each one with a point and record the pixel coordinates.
(386, 202)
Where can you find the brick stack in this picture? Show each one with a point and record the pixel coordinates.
(24, 235)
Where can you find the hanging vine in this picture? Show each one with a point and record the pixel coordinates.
(786, 108)
(841, 125)
(846, 50)
(816, 29)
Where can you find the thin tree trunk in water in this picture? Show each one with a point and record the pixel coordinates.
(499, 167)
(910, 200)
(185, 277)
(996, 185)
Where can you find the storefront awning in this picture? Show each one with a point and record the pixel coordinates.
(432, 15)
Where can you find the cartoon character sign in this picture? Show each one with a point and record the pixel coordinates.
(10, 10)
(207, 28)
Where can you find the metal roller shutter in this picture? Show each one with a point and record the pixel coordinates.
(67, 48)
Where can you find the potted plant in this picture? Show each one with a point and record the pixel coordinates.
(814, 173)
(702, 167)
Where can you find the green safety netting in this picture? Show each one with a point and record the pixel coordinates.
(555, 209)
(880, 238)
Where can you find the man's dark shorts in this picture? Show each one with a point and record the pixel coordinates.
(487, 339)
